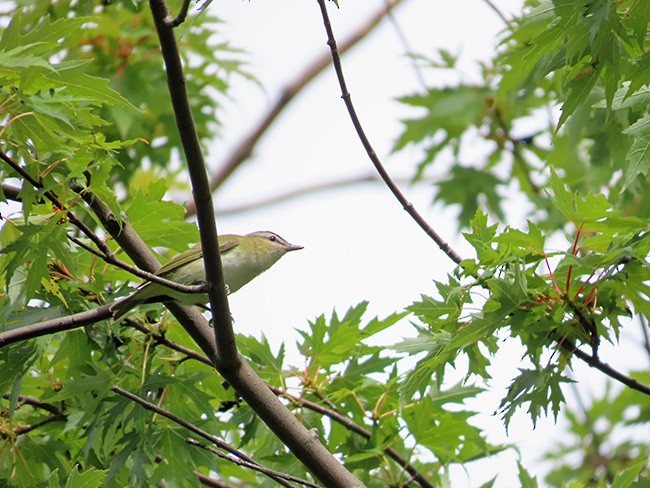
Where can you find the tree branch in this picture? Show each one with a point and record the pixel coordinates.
(180, 18)
(357, 429)
(496, 10)
(221, 345)
(345, 94)
(55, 201)
(407, 48)
(52, 326)
(224, 334)
(596, 363)
(300, 402)
(306, 190)
(244, 149)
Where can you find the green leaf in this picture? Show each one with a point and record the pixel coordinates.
(576, 208)
(90, 478)
(525, 479)
(161, 223)
(628, 476)
(639, 160)
(577, 92)
(481, 238)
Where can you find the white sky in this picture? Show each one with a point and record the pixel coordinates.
(359, 243)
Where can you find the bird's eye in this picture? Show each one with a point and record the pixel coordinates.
(272, 238)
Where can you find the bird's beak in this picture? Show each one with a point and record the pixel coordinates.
(295, 247)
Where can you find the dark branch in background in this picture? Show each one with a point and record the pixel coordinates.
(211, 482)
(34, 402)
(54, 418)
(306, 190)
(221, 348)
(244, 148)
(410, 209)
(517, 156)
(407, 47)
(605, 368)
(498, 12)
(57, 414)
(247, 461)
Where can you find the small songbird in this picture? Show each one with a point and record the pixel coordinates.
(243, 258)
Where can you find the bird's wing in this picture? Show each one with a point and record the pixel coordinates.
(191, 255)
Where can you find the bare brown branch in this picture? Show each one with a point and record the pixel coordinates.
(345, 94)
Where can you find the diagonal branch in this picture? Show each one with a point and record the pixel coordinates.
(238, 455)
(331, 413)
(357, 429)
(52, 326)
(244, 149)
(595, 362)
(345, 94)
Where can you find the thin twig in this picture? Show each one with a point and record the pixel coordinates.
(498, 12)
(105, 252)
(345, 94)
(55, 201)
(406, 45)
(357, 429)
(252, 464)
(331, 413)
(307, 190)
(244, 464)
(60, 417)
(203, 288)
(605, 368)
(517, 156)
(180, 18)
(36, 403)
(244, 149)
(211, 482)
(161, 339)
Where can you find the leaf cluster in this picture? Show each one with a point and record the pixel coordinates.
(590, 60)
(553, 302)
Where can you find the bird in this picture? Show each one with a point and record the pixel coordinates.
(243, 258)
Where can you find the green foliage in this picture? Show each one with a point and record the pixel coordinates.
(618, 414)
(581, 299)
(590, 58)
